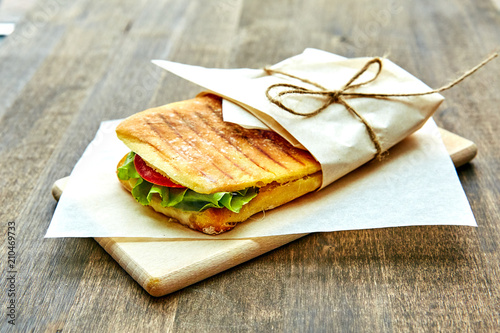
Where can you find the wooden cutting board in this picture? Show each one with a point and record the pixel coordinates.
(164, 266)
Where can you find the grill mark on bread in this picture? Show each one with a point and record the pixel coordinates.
(252, 143)
(265, 153)
(273, 137)
(248, 138)
(179, 135)
(230, 143)
(195, 129)
(158, 134)
(281, 147)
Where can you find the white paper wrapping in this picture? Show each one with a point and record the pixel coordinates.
(416, 185)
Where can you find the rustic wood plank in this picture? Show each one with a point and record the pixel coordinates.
(460, 149)
(87, 61)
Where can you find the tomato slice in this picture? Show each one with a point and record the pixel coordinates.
(151, 175)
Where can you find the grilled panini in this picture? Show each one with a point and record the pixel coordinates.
(189, 143)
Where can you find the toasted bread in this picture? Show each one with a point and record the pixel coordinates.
(190, 143)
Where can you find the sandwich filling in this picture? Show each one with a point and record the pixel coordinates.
(190, 165)
(175, 195)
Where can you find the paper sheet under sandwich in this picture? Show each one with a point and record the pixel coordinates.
(416, 185)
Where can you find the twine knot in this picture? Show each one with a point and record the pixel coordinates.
(334, 96)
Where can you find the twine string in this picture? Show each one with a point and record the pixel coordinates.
(339, 96)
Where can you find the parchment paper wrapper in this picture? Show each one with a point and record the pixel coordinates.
(336, 138)
(416, 185)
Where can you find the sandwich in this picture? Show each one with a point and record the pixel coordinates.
(209, 175)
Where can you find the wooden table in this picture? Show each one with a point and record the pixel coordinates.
(70, 65)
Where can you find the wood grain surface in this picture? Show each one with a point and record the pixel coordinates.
(71, 64)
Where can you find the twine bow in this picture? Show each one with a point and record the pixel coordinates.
(339, 96)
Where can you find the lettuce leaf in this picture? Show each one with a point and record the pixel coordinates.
(182, 198)
(127, 170)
